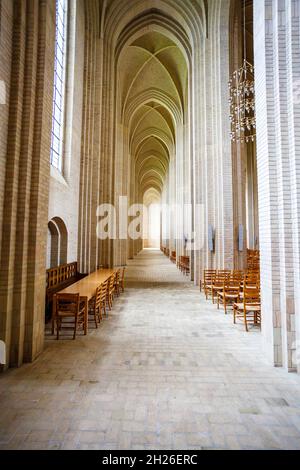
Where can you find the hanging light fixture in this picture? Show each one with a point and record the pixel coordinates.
(242, 99)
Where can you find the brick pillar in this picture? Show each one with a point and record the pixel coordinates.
(25, 197)
(276, 39)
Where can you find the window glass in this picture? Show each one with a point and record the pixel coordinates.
(59, 84)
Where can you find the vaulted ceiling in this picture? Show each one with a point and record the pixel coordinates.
(152, 80)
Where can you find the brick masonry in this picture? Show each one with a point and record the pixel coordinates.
(30, 36)
(277, 69)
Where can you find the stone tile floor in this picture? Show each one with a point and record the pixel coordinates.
(166, 370)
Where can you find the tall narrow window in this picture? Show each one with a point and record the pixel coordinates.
(59, 84)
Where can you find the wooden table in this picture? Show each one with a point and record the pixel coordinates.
(86, 288)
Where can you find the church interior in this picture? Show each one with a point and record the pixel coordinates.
(149, 224)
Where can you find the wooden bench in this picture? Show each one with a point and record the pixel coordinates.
(59, 278)
(173, 257)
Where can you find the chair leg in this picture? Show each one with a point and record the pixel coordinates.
(245, 320)
(57, 327)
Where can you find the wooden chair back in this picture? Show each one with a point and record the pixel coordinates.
(209, 275)
(103, 291)
(112, 283)
(122, 281)
(67, 304)
(98, 297)
(232, 283)
(251, 280)
(221, 277)
(251, 296)
(223, 272)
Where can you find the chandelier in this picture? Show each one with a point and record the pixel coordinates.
(242, 99)
(242, 104)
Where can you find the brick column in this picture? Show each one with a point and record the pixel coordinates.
(25, 197)
(276, 38)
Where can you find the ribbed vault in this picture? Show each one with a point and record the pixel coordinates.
(152, 89)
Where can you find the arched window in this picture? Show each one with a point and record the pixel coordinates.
(57, 249)
(59, 84)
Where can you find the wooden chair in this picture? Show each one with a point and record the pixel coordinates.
(93, 307)
(250, 309)
(251, 280)
(110, 291)
(57, 279)
(69, 306)
(117, 281)
(122, 280)
(218, 284)
(103, 298)
(230, 293)
(208, 280)
(98, 303)
(185, 264)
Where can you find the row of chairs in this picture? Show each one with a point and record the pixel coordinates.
(184, 264)
(105, 295)
(71, 308)
(237, 289)
(165, 251)
(173, 257)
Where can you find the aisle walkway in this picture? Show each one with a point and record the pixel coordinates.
(165, 370)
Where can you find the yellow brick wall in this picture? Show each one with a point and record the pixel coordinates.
(26, 186)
